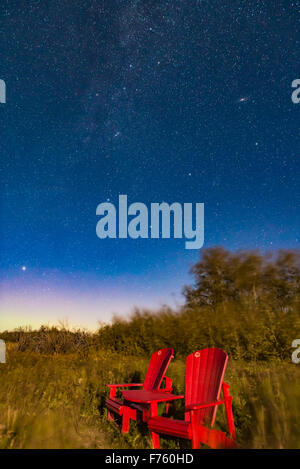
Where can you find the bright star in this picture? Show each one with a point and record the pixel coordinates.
(23, 268)
(242, 100)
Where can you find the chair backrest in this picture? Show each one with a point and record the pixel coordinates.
(157, 367)
(205, 371)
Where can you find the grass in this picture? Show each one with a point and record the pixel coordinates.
(57, 401)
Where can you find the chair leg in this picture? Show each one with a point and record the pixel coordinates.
(125, 421)
(167, 408)
(196, 429)
(229, 416)
(228, 407)
(127, 415)
(155, 440)
(146, 415)
(195, 441)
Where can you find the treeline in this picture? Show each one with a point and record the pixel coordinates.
(247, 303)
(51, 340)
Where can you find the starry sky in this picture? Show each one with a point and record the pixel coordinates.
(162, 100)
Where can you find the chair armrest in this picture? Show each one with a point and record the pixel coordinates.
(172, 398)
(169, 384)
(113, 387)
(204, 405)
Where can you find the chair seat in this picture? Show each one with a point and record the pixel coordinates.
(114, 404)
(168, 426)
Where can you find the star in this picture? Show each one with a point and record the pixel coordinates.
(243, 99)
(144, 94)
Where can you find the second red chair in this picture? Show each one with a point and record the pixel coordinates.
(205, 371)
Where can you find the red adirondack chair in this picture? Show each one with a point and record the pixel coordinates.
(204, 379)
(155, 375)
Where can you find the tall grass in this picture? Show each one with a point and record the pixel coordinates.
(57, 401)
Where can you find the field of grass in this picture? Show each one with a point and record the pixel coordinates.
(57, 401)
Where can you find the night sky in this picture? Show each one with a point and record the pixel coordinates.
(175, 101)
